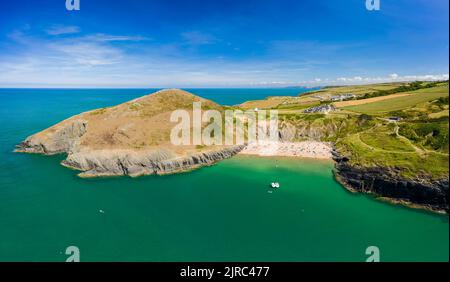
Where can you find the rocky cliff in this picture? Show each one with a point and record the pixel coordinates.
(323, 128)
(387, 183)
(61, 138)
(132, 163)
(132, 138)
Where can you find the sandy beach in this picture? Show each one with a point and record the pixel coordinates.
(304, 149)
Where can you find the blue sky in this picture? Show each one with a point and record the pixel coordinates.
(221, 43)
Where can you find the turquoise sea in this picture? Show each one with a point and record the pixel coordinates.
(220, 213)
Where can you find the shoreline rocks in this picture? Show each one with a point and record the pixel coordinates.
(132, 138)
(64, 138)
(130, 163)
(61, 138)
(387, 184)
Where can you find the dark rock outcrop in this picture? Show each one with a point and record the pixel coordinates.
(386, 182)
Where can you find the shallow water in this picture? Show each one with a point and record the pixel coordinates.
(220, 213)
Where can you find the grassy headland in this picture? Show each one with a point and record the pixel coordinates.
(403, 126)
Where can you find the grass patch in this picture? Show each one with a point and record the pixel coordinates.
(409, 164)
(98, 112)
(386, 141)
(430, 135)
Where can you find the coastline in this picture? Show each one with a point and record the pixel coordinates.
(390, 200)
(387, 186)
(322, 151)
(95, 151)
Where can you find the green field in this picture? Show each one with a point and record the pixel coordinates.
(357, 90)
(400, 103)
(385, 141)
(415, 146)
(383, 150)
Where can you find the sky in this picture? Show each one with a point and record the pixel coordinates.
(221, 43)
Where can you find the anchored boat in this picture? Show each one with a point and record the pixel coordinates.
(275, 185)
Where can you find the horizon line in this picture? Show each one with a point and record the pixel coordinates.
(215, 87)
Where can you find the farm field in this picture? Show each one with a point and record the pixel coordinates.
(399, 103)
(367, 101)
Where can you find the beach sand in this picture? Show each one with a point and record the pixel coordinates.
(304, 149)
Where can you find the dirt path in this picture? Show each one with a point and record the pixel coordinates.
(419, 150)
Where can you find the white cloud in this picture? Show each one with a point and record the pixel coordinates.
(393, 76)
(100, 37)
(358, 80)
(60, 30)
(86, 53)
(96, 60)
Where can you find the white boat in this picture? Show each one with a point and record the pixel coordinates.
(275, 185)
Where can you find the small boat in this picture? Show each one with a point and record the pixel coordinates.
(275, 185)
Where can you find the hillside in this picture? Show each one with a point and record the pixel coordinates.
(132, 138)
(408, 130)
(392, 144)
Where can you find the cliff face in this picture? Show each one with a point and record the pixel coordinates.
(291, 132)
(386, 182)
(129, 139)
(126, 162)
(61, 138)
(325, 128)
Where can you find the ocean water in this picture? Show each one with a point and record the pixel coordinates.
(220, 213)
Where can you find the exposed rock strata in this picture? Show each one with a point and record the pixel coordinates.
(308, 130)
(388, 183)
(60, 139)
(132, 138)
(124, 162)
